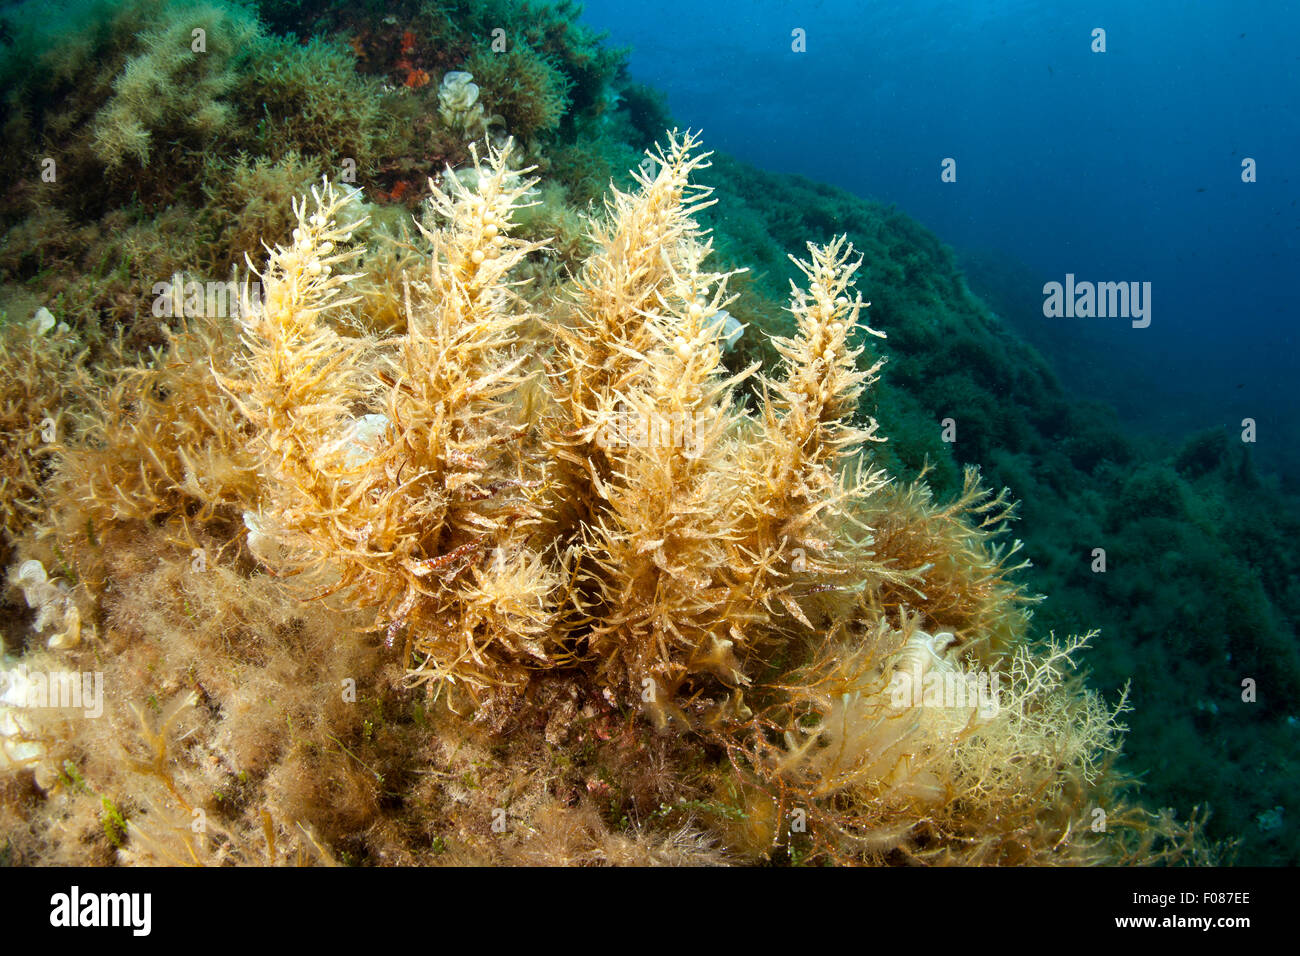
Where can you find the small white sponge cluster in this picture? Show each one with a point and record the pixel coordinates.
(53, 603)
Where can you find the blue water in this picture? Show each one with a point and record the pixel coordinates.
(1115, 166)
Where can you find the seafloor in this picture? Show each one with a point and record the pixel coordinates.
(396, 467)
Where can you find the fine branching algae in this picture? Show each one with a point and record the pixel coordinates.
(467, 542)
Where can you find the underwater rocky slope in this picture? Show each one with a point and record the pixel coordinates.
(482, 537)
(1201, 592)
